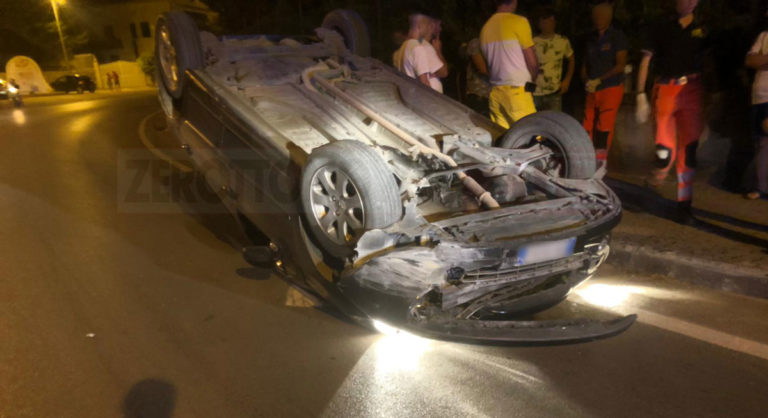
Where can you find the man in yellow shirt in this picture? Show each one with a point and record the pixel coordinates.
(507, 44)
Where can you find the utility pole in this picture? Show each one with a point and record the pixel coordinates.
(55, 5)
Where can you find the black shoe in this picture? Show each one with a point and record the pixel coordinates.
(684, 214)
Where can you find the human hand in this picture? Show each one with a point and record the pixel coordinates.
(592, 85)
(437, 44)
(643, 111)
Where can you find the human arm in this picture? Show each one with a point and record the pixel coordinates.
(621, 63)
(756, 58)
(437, 44)
(756, 61)
(531, 62)
(642, 71)
(643, 110)
(566, 84)
(480, 65)
(424, 79)
(525, 38)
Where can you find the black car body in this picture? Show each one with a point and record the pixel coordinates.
(77, 83)
(481, 234)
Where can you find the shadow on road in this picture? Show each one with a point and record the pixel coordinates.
(254, 273)
(150, 398)
(638, 198)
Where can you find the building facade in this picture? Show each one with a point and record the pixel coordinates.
(124, 31)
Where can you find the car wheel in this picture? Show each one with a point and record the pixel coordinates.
(80, 90)
(347, 189)
(573, 153)
(177, 49)
(352, 28)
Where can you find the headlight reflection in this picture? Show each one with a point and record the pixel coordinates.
(398, 350)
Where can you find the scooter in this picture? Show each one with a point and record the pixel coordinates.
(15, 96)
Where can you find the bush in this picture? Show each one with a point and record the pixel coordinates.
(147, 63)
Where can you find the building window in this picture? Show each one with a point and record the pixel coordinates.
(145, 31)
(134, 35)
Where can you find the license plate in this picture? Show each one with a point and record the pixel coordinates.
(541, 252)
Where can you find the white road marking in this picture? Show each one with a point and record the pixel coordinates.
(618, 298)
(158, 152)
(701, 333)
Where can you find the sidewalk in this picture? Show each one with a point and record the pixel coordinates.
(728, 250)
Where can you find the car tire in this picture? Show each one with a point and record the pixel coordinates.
(352, 28)
(347, 189)
(177, 49)
(80, 90)
(563, 134)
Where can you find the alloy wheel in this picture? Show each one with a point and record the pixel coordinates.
(337, 206)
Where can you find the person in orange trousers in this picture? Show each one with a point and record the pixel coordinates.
(677, 45)
(603, 73)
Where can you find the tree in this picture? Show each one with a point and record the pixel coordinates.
(28, 28)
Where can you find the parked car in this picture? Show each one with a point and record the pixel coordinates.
(384, 197)
(78, 83)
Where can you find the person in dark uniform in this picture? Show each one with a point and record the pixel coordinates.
(603, 75)
(677, 47)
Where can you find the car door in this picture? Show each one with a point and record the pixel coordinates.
(60, 83)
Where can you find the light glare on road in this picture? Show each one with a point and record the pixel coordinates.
(607, 296)
(398, 350)
(19, 117)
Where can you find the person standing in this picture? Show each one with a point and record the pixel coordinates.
(757, 59)
(109, 80)
(478, 86)
(418, 58)
(552, 50)
(507, 44)
(603, 74)
(677, 47)
(116, 79)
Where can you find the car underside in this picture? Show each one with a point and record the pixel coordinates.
(395, 203)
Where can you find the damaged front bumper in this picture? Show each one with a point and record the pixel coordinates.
(475, 285)
(524, 332)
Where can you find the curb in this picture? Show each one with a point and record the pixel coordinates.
(694, 270)
(718, 276)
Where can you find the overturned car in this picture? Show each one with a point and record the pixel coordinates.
(393, 202)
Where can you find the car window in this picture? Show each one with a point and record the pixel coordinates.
(61, 79)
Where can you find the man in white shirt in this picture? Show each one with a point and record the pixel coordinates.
(758, 59)
(420, 55)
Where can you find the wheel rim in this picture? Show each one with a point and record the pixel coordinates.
(167, 55)
(337, 206)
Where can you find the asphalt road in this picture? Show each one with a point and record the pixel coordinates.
(113, 307)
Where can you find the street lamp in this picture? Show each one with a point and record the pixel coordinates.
(55, 5)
